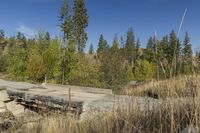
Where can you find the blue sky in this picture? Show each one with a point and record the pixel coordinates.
(105, 16)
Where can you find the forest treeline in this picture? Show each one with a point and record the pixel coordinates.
(63, 59)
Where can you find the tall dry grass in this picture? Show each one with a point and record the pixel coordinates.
(168, 117)
(174, 87)
(171, 115)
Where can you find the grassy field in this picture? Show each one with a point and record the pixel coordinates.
(177, 111)
(175, 87)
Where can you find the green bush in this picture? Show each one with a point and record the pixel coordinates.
(143, 70)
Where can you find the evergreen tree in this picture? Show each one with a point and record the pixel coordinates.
(80, 20)
(91, 50)
(174, 51)
(68, 48)
(71, 60)
(130, 46)
(162, 48)
(138, 44)
(149, 52)
(2, 35)
(187, 49)
(162, 56)
(66, 20)
(114, 74)
(47, 39)
(122, 43)
(102, 45)
(187, 55)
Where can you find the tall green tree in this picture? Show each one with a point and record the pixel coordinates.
(130, 46)
(102, 45)
(68, 46)
(187, 55)
(2, 35)
(80, 20)
(150, 51)
(113, 71)
(187, 48)
(137, 53)
(91, 49)
(66, 20)
(42, 42)
(17, 61)
(71, 59)
(174, 51)
(162, 57)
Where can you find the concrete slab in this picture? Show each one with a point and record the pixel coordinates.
(3, 96)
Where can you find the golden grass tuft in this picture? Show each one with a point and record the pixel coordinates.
(175, 87)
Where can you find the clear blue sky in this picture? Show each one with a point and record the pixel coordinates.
(105, 16)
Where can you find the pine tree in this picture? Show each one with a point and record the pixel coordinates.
(114, 74)
(66, 20)
(174, 51)
(162, 54)
(102, 46)
(130, 46)
(187, 49)
(149, 52)
(162, 47)
(47, 39)
(122, 43)
(187, 55)
(138, 44)
(91, 50)
(2, 35)
(80, 20)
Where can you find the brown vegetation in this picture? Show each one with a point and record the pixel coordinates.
(169, 115)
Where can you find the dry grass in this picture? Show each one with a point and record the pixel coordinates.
(175, 87)
(170, 115)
